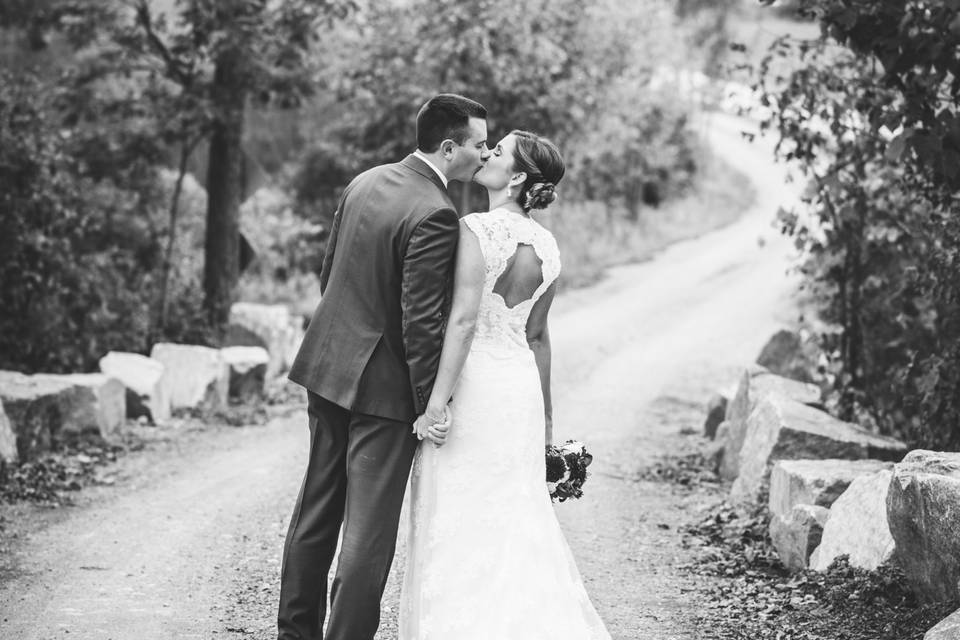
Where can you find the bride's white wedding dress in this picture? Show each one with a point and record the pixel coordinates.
(486, 558)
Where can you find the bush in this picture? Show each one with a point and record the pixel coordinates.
(80, 248)
(880, 233)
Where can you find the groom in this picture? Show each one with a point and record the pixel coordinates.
(368, 361)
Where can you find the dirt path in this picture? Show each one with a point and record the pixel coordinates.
(187, 544)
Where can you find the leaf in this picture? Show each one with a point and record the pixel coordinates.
(898, 145)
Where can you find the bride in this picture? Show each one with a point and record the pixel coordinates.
(486, 557)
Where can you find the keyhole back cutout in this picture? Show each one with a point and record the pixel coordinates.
(521, 278)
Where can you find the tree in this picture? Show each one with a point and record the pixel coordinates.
(872, 118)
(222, 54)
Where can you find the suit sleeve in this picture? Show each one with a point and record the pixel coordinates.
(427, 268)
(331, 244)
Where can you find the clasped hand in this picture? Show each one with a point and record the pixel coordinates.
(434, 426)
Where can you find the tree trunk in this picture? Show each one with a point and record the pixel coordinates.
(224, 186)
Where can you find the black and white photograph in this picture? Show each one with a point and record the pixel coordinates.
(480, 319)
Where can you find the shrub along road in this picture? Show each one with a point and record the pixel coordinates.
(186, 543)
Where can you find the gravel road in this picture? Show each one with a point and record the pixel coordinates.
(186, 544)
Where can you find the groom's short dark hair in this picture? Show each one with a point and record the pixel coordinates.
(444, 116)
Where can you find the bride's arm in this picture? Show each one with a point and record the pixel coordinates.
(538, 337)
(467, 291)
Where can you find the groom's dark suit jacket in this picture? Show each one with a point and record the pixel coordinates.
(374, 342)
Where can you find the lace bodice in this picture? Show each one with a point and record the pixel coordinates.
(500, 232)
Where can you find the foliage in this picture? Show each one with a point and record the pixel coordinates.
(870, 118)
(82, 230)
(50, 478)
(569, 70)
(753, 596)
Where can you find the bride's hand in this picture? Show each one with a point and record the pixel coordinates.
(434, 425)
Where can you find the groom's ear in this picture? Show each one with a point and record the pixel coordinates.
(447, 147)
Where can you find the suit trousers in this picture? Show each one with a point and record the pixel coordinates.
(356, 476)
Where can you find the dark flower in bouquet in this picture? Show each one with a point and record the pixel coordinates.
(567, 469)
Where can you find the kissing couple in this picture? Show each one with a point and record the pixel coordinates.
(430, 351)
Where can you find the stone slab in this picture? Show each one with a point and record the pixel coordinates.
(272, 327)
(8, 440)
(857, 526)
(248, 369)
(923, 509)
(947, 629)
(95, 403)
(783, 429)
(757, 383)
(815, 482)
(34, 408)
(194, 376)
(797, 533)
(142, 377)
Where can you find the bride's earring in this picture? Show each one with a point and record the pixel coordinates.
(509, 192)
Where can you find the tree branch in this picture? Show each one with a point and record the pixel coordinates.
(174, 67)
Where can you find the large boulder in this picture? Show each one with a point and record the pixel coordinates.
(791, 355)
(34, 408)
(815, 482)
(857, 526)
(248, 369)
(270, 326)
(948, 629)
(782, 429)
(8, 440)
(756, 384)
(142, 377)
(194, 376)
(923, 508)
(93, 403)
(797, 533)
(716, 414)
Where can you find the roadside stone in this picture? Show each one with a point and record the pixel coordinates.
(142, 378)
(194, 376)
(948, 629)
(714, 450)
(796, 534)
(857, 526)
(815, 482)
(788, 354)
(248, 369)
(34, 409)
(269, 326)
(8, 440)
(782, 429)
(755, 384)
(94, 403)
(923, 508)
(716, 413)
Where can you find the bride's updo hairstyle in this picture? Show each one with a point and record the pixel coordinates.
(541, 161)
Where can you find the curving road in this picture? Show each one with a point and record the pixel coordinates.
(187, 544)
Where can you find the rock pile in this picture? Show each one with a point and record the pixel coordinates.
(783, 429)
(836, 489)
(38, 411)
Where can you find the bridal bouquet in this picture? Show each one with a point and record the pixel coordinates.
(567, 469)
